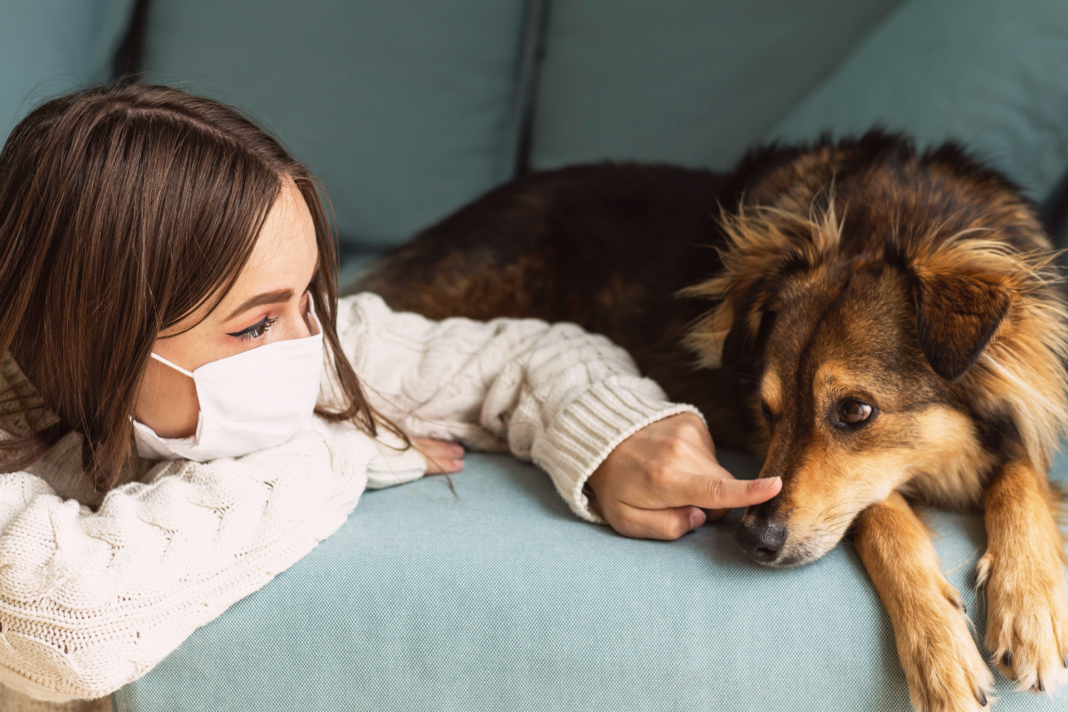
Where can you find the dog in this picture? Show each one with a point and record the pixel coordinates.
(882, 326)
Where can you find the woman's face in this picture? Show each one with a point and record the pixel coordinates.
(268, 303)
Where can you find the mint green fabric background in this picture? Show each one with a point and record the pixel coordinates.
(501, 599)
(403, 109)
(990, 73)
(684, 81)
(696, 82)
(50, 47)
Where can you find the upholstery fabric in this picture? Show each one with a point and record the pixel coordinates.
(684, 81)
(49, 47)
(992, 74)
(500, 599)
(403, 109)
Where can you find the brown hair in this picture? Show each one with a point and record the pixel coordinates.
(123, 210)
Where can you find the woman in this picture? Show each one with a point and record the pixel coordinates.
(182, 415)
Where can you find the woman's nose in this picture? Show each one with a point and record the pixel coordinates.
(311, 320)
(302, 323)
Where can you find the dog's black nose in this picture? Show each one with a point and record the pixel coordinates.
(762, 541)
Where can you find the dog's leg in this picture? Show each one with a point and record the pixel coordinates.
(943, 666)
(1023, 574)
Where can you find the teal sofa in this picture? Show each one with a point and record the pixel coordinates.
(497, 598)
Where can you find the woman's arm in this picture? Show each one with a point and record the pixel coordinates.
(90, 601)
(550, 393)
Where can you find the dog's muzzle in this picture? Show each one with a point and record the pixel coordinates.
(762, 539)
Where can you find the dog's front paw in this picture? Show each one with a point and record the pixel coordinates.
(943, 666)
(1027, 617)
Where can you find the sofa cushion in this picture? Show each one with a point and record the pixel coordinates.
(403, 109)
(49, 47)
(993, 74)
(500, 599)
(685, 81)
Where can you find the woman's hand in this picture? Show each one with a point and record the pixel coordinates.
(657, 483)
(441, 457)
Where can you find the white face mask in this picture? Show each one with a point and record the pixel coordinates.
(248, 402)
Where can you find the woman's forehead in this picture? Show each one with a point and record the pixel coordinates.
(285, 253)
(284, 258)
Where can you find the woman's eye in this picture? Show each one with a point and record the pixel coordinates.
(854, 412)
(766, 410)
(256, 330)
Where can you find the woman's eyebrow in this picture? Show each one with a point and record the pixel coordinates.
(275, 297)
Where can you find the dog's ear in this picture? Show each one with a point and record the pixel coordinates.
(729, 334)
(764, 247)
(750, 325)
(957, 314)
(738, 342)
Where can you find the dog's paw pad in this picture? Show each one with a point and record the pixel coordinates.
(1027, 622)
(944, 668)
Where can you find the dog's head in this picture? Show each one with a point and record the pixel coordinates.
(910, 350)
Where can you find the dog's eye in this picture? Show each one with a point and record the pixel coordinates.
(853, 412)
(766, 410)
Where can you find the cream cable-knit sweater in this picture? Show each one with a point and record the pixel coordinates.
(90, 600)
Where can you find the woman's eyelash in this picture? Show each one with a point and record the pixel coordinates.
(256, 330)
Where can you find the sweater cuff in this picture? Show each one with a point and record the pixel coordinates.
(592, 426)
(395, 464)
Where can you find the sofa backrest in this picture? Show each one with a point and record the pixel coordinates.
(410, 108)
(989, 73)
(50, 47)
(405, 109)
(685, 81)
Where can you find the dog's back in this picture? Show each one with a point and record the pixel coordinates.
(610, 246)
(606, 246)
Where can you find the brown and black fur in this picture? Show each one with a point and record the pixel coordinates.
(808, 283)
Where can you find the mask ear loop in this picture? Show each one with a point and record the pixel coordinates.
(174, 366)
(312, 318)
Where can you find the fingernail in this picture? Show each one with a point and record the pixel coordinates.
(457, 465)
(696, 519)
(458, 449)
(767, 483)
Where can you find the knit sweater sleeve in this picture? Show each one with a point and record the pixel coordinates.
(553, 394)
(92, 600)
